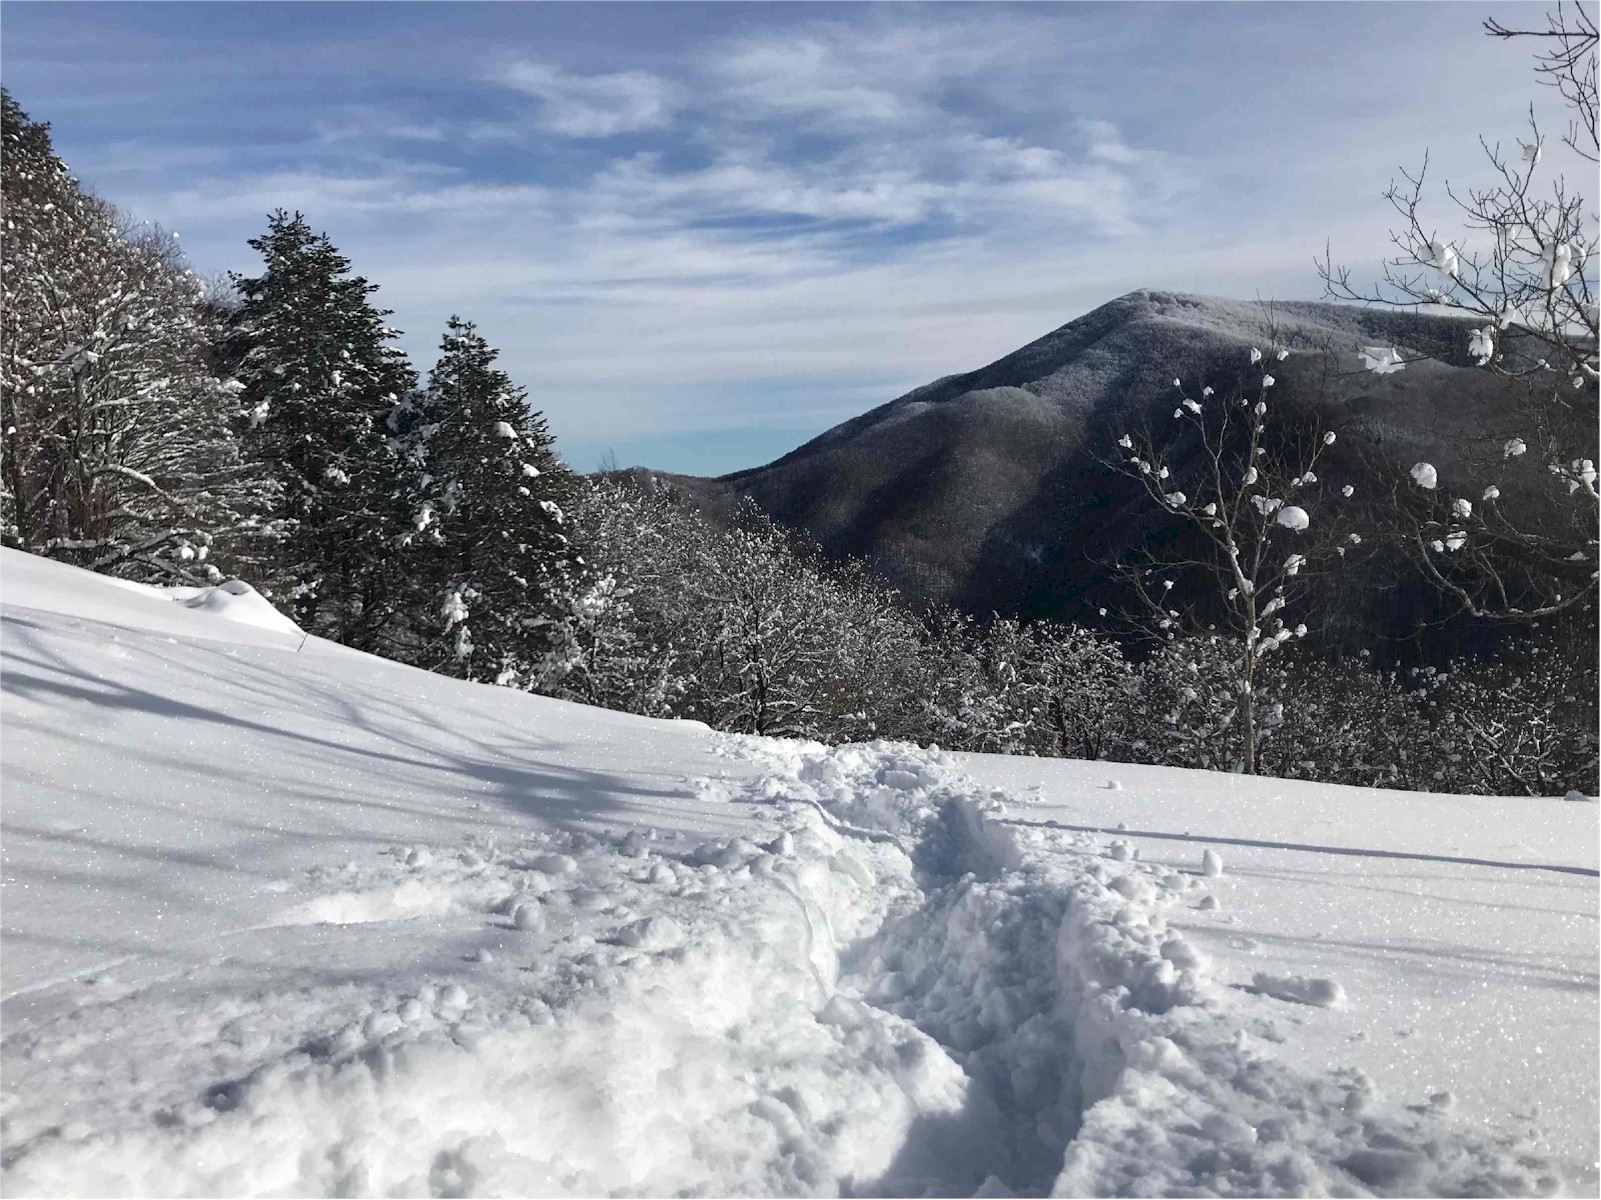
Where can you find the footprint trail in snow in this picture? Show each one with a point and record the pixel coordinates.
(886, 992)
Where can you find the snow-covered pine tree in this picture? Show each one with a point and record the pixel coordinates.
(120, 450)
(489, 552)
(320, 375)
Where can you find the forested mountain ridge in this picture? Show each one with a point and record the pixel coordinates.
(990, 489)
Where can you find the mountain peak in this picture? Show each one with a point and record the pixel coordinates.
(979, 487)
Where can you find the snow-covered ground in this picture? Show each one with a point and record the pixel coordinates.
(280, 918)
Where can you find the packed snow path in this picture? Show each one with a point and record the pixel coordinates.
(313, 924)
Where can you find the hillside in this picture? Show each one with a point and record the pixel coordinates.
(990, 490)
(282, 918)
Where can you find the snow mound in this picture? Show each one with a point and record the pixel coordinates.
(235, 600)
(409, 900)
(1300, 989)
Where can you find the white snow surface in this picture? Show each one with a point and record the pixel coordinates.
(233, 600)
(287, 919)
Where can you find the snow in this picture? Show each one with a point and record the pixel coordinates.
(1382, 360)
(1293, 517)
(1558, 264)
(1320, 993)
(1421, 907)
(287, 919)
(1443, 258)
(233, 600)
(1481, 344)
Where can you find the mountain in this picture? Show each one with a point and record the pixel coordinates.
(990, 490)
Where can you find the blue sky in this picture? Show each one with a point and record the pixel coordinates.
(703, 233)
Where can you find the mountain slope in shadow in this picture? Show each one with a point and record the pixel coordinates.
(990, 490)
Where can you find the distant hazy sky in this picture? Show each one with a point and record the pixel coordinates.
(703, 233)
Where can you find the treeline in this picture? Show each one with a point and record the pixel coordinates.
(746, 628)
(170, 432)
(271, 431)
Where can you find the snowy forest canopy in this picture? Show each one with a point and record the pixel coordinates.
(171, 432)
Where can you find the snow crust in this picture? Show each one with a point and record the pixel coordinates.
(313, 924)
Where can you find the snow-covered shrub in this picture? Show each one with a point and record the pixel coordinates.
(1315, 720)
(783, 644)
(616, 640)
(741, 625)
(1043, 689)
(1187, 701)
(1345, 723)
(1521, 725)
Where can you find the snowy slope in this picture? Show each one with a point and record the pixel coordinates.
(280, 918)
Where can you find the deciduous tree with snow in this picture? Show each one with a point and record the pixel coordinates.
(1518, 255)
(1257, 517)
(120, 446)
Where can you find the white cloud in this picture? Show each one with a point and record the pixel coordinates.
(833, 210)
(591, 106)
(363, 124)
(886, 66)
(808, 75)
(325, 197)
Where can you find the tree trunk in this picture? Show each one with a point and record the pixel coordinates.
(1248, 716)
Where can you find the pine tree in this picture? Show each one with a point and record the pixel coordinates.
(120, 450)
(489, 548)
(320, 378)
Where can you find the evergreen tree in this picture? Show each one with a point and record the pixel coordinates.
(490, 553)
(120, 450)
(320, 377)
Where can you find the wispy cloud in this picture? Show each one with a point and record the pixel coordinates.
(590, 106)
(364, 124)
(767, 217)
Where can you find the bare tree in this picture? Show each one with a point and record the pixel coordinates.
(1522, 259)
(1568, 64)
(1247, 501)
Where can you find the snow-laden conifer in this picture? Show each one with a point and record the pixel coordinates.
(486, 541)
(319, 374)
